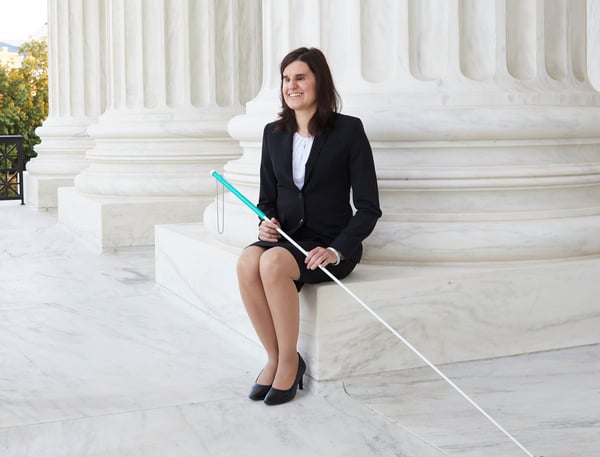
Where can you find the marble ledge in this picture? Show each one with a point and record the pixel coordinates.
(448, 314)
(108, 223)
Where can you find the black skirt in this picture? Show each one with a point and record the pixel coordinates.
(340, 271)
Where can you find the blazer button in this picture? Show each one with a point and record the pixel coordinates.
(302, 221)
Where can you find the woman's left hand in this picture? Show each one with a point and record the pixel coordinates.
(319, 257)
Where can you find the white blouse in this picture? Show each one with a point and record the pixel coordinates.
(300, 151)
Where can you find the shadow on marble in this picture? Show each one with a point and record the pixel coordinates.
(550, 402)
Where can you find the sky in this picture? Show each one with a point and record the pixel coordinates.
(20, 19)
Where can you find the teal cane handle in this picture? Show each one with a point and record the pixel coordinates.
(239, 195)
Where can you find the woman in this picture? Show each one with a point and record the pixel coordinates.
(312, 157)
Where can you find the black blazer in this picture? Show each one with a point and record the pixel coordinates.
(340, 160)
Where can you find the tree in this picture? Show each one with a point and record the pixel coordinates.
(24, 95)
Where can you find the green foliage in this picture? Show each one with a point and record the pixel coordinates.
(24, 95)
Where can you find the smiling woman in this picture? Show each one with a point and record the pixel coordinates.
(312, 158)
(298, 90)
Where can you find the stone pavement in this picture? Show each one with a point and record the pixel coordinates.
(97, 360)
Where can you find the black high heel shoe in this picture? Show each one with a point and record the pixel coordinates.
(259, 391)
(277, 396)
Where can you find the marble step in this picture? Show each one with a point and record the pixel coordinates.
(449, 313)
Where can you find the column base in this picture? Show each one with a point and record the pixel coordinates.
(106, 223)
(60, 157)
(449, 313)
(42, 191)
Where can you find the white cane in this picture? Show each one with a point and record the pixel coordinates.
(263, 216)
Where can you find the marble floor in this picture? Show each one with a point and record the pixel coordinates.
(97, 360)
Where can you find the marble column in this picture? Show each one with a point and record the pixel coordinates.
(286, 25)
(76, 98)
(593, 43)
(177, 72)
(482, 114)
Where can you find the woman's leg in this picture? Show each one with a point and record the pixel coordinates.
(278, 270)
(255, 301)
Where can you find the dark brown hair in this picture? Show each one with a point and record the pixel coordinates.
(328, 99)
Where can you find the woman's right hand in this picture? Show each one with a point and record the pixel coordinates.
(267, 230)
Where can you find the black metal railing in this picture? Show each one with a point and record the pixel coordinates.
(11, 168)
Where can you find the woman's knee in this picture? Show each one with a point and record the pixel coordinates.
(278, 263)
(248, 263)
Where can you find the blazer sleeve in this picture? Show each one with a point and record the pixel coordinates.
(267, 197)
(365, 195)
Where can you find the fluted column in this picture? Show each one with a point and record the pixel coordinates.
(285, 25)
(76, 97)
(593, 43)
(482, 114)
(174, 72)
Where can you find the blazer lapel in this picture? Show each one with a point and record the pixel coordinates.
(314, 155)
(284, 153)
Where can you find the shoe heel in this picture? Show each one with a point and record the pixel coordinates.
(301, 371)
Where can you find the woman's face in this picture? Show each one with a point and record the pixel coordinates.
(299, 87)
